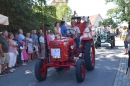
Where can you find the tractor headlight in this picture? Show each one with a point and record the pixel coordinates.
(65, 43)
(71, 47)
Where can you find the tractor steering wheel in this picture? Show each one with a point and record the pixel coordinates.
(71, 33)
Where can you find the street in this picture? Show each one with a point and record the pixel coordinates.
(104, 74)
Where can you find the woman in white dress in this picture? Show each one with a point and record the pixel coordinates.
(57, 30)
(29, 44)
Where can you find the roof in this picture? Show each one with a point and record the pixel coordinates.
(93, 18)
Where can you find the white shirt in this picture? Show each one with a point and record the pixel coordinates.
(41, 39)
(52, 37)
(87, 30)
(21, 47)
(75, 32)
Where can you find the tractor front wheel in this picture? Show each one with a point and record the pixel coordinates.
(40, 70)
(80, 70)
(89, 55)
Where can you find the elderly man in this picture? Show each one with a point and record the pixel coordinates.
(4, 56)
(35, 41)
(40, 33)
(75, 31)
(21, 37)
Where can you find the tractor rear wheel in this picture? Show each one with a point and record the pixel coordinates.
(89, 55)
(112, 45)
(40, 70)
(113, 41)
(99, 45)
(80, 70)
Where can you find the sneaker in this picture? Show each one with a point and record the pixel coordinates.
(24, 64)
(11, 71)
(16, 65)
(125, 53)
(2, 74)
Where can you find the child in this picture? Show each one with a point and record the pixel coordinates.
(24, 56)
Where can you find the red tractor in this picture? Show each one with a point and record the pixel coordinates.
(62, 54)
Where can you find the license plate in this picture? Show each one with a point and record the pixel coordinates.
(102, 40)
(55, 52)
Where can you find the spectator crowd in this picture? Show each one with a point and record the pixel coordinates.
(17, 48)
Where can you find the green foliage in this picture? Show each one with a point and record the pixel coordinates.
(64, 11)
(114, 25)
(121, 11)
(108, 22)
(27, 14)
(100, 23)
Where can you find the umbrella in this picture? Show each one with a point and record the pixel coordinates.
(4, 20)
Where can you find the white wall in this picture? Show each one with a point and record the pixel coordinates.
(98, 20)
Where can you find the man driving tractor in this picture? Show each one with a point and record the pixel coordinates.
(75, 31)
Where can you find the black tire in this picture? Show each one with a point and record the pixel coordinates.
(99, 45)
(38, 74)
(79, 76)
(96, 45)
(98, 42)
(112, 45)
(113, 41)
(87, 58)
(113, 38)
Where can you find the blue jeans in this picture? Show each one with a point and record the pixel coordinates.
(77, 40)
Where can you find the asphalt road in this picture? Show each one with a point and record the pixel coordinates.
(107, 62)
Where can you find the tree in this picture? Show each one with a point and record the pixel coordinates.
(100, 23)
(121, 12)
(108, 22)
(27, 14)
(64, 11)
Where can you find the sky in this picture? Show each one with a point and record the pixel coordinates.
(90, 7)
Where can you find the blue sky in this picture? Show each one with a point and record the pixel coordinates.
(90, 7)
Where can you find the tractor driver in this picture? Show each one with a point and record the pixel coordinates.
(75, 31)
(106, 30)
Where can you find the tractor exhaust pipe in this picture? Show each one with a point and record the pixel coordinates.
(44, 26)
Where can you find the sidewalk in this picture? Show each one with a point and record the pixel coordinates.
(121, 78)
